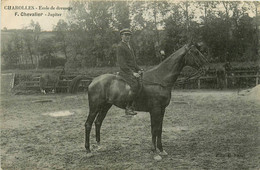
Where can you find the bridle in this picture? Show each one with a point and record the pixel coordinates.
(198, 73)
(196, 58)
(195, 75)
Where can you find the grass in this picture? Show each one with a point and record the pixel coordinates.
(216, 130)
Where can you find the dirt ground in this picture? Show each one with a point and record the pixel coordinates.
(202, 129)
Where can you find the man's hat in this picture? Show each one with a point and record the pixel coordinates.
(125, 31)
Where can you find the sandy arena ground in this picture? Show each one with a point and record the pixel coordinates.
(202, 129)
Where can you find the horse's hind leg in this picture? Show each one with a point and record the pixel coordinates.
(93, 111)
(43, 91)
(98, 122)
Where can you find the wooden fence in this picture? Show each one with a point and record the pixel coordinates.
(232, 79)
(63, 85)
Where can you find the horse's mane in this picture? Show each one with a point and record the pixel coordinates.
(168, 58)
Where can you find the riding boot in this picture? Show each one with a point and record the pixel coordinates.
(131, 98)
(130, 109)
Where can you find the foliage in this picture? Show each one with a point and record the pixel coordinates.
(121, 15)
(89, 36)
(61, 37)
(145, 49)
(48, 49)
(229, 36)
(72, 64)
(22, 49)
(10, 56)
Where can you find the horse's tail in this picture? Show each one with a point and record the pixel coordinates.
(74, 84)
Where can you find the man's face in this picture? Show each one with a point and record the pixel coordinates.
(126, 37)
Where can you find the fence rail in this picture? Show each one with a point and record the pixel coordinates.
(63, 85)
(234, 77)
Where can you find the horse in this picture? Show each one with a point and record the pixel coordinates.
(109, 89)
(50, 80)
(221, 73)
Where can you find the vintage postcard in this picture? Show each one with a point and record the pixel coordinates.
(130, 84)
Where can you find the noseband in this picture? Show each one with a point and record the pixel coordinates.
(198, 73)
(196, 59)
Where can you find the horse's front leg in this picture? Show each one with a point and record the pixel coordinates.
(157, 115)
(159, 135)
(154, 115)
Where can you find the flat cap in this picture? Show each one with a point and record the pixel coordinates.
(125, 31)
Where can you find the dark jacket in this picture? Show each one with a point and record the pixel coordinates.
(126, 59)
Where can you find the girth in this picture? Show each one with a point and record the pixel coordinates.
(127, 80)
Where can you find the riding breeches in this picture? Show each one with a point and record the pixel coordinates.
(133, 82)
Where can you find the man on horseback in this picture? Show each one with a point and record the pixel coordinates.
(129, 70)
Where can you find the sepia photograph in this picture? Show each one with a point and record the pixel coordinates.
(130, 84)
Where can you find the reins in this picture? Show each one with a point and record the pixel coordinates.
(197, 74)
(180, 81)
(154, 83)
(193, 76)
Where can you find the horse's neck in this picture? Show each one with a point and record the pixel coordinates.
(168, 71)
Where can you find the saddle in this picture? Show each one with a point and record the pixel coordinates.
(140, 81)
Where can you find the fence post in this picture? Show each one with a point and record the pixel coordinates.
(198, 83)
(226, 80)
(257, 78)
(13, 80)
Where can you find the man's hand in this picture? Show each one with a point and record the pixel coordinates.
(140, 71)
(136, 75)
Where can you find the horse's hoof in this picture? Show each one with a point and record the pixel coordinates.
(157, 157)
(97, 147)
(163, 153)
(89, 155)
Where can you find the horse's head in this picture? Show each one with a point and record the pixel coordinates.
(194, 58)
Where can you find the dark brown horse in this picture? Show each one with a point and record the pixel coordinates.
(221, 73)
(108, 89)
(50, 80)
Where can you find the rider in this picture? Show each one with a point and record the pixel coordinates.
(129, 70)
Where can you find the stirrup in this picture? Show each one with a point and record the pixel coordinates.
(130, 112)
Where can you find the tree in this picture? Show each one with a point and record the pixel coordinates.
(61, 36)
(225, 31)
(158, 10)
(47, 49)
(29, 44)
(149, 24)
(120, 15)
(10, 56)
(36, 36)
(31, 35)
(245, 36)
(257, 21)
(93, 29)
(94, 21)
(176, 28)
